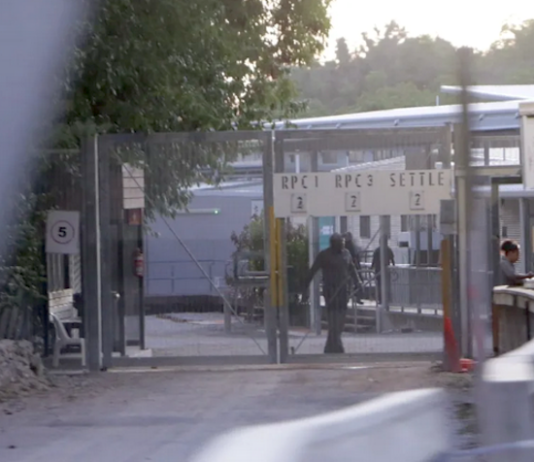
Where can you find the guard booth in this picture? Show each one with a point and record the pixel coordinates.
(299, 194)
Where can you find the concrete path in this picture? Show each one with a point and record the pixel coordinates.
(165, 416)
(202, 334)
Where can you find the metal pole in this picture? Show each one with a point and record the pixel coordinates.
(429, 240)
(495, 231)
(104, 198)
(270, 303)
(526, 244)
(384, 274)
(282, 293)
(417, 241)
(90, 219)
(315, 295)
(463, 258)
(142, 312)
(412, 276)
(463, 154)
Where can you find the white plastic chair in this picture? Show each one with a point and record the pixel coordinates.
(63, 339)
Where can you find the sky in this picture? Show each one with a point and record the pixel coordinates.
(474, 23)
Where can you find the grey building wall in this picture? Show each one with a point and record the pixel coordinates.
(170, 270)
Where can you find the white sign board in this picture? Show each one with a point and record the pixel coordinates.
(527, 140)
(63, 232)
(382, 192)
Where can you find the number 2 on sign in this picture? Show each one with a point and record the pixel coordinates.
(352, 202)
(417, 200)
(298, 203)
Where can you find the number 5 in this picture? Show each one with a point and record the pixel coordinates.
(62, 232)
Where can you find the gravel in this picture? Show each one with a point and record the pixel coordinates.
(21, 371)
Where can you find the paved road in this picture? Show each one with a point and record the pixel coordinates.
(167, 415)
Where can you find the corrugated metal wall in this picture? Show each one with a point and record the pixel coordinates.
(170, 270)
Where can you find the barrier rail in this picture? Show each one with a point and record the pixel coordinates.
(402, 427)
(512, 318)
(506, 415)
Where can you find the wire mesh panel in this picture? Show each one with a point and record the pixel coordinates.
(189, 206)
(410, 321)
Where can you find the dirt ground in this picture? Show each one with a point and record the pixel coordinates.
(158, 414)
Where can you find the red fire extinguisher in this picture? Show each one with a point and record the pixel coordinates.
(139, 263)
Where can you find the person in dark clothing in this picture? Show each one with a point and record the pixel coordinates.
(376, 267)
(355, 255)
(338, 269)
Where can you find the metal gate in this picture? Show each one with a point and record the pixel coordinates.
(169, 203)
(409, 323)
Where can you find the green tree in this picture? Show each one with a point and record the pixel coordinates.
(251, 241)
(389, 69)
(182, 65)
(510, 60)
(343, 57)
(172, 65)
(179, 65)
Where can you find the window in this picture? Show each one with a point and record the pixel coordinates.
(329, 157)
(405, 223)
(365, 227)
(355, 157)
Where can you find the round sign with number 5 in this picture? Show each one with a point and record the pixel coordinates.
(62, 232)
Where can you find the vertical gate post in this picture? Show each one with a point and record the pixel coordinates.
(495, 231)
(314, 248)
(104, 198)
(382, 308)
(282, 286)
(90, 239)
(526, 235)
(270, 302)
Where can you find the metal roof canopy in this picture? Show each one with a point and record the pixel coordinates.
(296, 140)
(494, 92)
(492, 116)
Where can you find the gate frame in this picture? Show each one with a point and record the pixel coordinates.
(312, 142)
(95, 245)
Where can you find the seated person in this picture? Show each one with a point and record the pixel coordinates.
(509, 276)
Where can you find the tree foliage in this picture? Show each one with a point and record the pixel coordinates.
(251, 239)
(145, 66)
(149, 66)
(393, 69)
(181, 65)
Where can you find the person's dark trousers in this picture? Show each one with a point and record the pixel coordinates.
(378, 288)
(336, 313)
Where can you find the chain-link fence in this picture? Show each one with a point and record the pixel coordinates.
(195, 294)
(409, 322)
